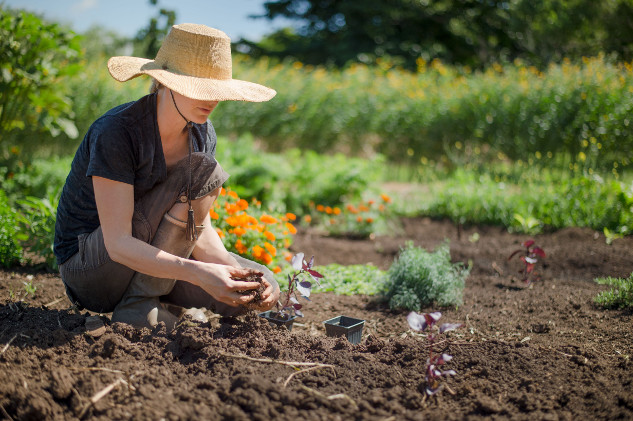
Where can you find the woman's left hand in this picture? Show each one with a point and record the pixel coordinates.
(270, 296)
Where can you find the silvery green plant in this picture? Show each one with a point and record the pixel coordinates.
(433, 372)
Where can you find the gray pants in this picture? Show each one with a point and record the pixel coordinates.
(97, 283)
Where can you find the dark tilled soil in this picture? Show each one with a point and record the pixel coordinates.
(543, 352)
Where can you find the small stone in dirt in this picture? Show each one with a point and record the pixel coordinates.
(94, 326)
(488, 405)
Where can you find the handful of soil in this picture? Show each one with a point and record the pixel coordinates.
(253, 276)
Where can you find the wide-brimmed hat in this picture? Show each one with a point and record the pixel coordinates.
(195, 61)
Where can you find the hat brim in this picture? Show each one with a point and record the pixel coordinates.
(124, 68)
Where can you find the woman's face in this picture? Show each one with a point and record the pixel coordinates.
(194, 109)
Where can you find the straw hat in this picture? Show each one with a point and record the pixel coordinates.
(195, 61)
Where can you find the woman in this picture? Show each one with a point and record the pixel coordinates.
(133, 216)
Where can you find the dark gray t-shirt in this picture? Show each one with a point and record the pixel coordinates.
(122, 145)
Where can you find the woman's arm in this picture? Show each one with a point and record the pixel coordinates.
(115, 204)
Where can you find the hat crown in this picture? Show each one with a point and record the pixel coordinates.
(196, 50)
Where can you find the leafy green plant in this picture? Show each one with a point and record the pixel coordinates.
(38, 220)
(10, 235)
(620, 296)
(29, 288)
(418, 278)
(527, 224)
(37, 57)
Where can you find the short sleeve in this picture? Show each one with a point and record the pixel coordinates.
(111, 154)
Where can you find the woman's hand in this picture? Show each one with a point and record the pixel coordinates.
(222, 283)
(270, 296)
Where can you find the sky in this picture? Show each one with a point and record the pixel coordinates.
(126, 17)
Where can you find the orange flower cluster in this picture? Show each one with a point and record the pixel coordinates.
(248, 231)
(357, 219)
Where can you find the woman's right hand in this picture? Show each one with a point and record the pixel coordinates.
(222, 283)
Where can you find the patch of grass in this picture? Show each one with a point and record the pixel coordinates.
(347, 280)
(418, 278)
(620, 296)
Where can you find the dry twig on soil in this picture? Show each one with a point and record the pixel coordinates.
(8, 344)
(99, 395)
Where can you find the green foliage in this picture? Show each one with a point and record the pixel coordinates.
(289, 181)
(37, 58)
(545, 199)
(346, 280)
(10, 236)
(418, 278)
(473, 33)
(38, 221)
(620, 296)
(29, 288)
(570, 115)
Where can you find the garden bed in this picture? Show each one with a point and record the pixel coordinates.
(539, 352)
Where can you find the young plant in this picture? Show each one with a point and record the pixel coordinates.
(433, 374)
(530, 258)
(289, 305)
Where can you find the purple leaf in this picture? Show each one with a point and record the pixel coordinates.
(514, 253)
(538, 251)
(431, 318)
(297, 261)
(432, 392)
(314, 273)
(528, 244)
(447, 327)
(304, 287)
(298, 313)
(308, 266)
(416, 321)
(445, 358)
(297, 306)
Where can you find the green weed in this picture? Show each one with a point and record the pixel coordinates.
(620, 296)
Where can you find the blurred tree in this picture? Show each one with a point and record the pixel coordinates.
(148, 40)
(466, 32)
(37, 60)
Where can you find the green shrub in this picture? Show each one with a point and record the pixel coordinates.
(10, 248)
(38, 221)
(345, 280)
(620, 296)
(418, 278)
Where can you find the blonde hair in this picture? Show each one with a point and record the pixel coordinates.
(156, 85)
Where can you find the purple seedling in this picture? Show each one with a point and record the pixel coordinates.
(290, 304)
(531, 254)
(420, 322)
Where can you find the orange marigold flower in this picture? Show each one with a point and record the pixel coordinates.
(336, 210)
(385, 198)
(307, 218)
(291, 216)
(239, 231)
(266, 258)
(328, 210)
(363, 208)
(291, 228)
(369, 220)
(231, 209)
(370, 202)
(269, 235)
(220, 232)
(352, 209)
(288, 256)
(233, 194)
(276, 269)
(332, 221)
(242, 204)
(271, 249)
(222, 191)
(287, 243)
(320, 208)
(240, 247)
(267, 219)
(381, 208)
(257, 251)
(214, 214)
(359, 219)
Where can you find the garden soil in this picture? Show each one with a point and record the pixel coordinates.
(539, 352)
